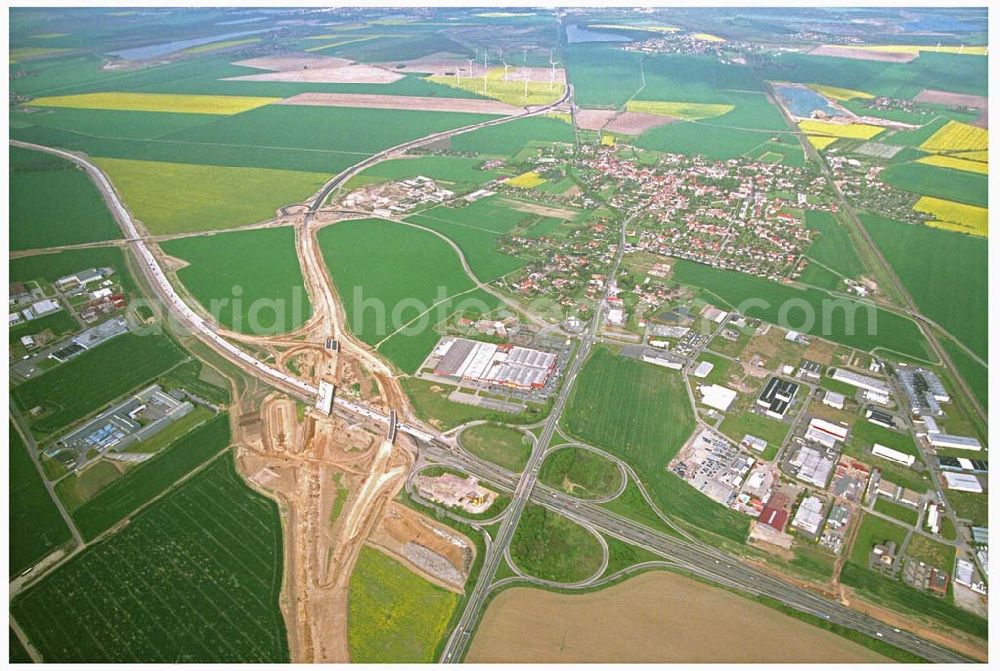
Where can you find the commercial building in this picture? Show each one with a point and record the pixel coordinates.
(954, 442)
(825, 433)
(933, 518)
(877, 397)
(663, 360)
(810, 369)
(963, 464)
(82, 278)
(962, 482)
(777, 396)
(716, 396)
(809, 516)
(489, 363)
(860, 381)
(774, 513)
(893, 455)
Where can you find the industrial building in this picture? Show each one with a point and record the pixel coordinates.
(825, 433)
(923, 389)
(131, 421)
(754, 443)
(812, 466)
(774, 513)
(963, 464)
(489, 363)
(82, 278)
(881, 418)
(860, 381)
(893, 455)
(962, 482)
(663, 360)
(954, 442)
(811, 370)
(809, 516)
(834, 400)
(777, 396)
(703, 369)
(716, 396)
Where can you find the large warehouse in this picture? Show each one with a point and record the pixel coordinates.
(507, 365)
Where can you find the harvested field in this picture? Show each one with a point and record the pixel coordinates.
(540, 209)
(371, 100)
(862, 54)
(440, 63)
(593, 119)
(290, 62)
(655, 617)
(636, 123)
(933, 97)
(310, 69)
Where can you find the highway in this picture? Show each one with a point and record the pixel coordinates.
(461, 636)
(702, 560)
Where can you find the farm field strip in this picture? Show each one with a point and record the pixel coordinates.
(157, 102)
(857, 131)
(956, 136)
(687, 111)
(955, 163)
(954, 216)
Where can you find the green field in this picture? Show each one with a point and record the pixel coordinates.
(975, 374)
(58, 323)
(258, 268)
(394, 615)
(88, 381)
(831, 318)
(717, 143)
(475, 229)
(935, 266)
(507, 139)
(873, 531)
(148, 480)
(182, 198)
(904, 514)
(639, 412)
(504, 446)
(833, 247)
(36, 527)
(931, 552)
(194, 578)
(546, 545)
(581, 473)
(389, 274)
(602, 77)
(52, 202)
(928, 180)
(970, 506)
(869, 433)
(341, 129)
(737, 425)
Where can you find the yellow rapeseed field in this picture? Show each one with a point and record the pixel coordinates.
(954, 216)
(527, 180)
(706, 37)
(510, 91)
(679, 110)
(947, 161)
(838, 93)
(821, 141)
(855, 131)
(956, 136)
(156, 102)
(983, 156)
(608, 140)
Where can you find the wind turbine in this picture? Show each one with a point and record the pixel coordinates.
(505, 66)
(470, 67)
(552, 73)
(486, 67)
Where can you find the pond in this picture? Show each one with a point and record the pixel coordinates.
(802, 101)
